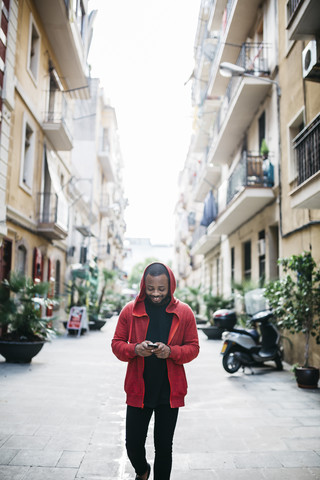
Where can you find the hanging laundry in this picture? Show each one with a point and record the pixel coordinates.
(209, 210)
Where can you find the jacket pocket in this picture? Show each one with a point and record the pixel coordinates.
(133, 384)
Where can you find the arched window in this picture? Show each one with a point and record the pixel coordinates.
(21, 259)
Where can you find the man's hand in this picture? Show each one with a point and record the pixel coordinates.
(163, 351)
(143, 350)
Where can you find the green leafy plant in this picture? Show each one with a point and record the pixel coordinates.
(20, 309)
(295, 298)
(264, 150)
(215, 302)
(192, 296)
(97, 300)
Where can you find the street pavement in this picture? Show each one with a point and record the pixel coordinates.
(62, 418)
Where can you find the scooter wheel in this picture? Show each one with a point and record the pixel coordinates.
(231, 363)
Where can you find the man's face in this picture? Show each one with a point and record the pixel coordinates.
(157, 288)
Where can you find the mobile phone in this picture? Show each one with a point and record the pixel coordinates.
(153, 345)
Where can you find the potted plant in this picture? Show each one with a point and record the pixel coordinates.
(264, 149)
(23, 328)
(97, 311)
(193, 297)
(295, 300)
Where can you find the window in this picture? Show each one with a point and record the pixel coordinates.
(57, 283)
(294, 128)
(232, 267)
(27, 157)
(247, 260)
(21, 259)
(262, 256)
(262, 128)
(34, 50)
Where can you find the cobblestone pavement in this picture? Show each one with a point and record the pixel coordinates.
(62, 418)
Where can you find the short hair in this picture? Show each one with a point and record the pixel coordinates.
(156, 269)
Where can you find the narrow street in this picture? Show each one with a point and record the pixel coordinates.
(62, 418)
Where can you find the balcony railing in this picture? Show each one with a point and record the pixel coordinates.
(253, 58)
(292, 7)
(251, 171)
(58, 121)
(307, 150)
(198, 233)
(52, 216)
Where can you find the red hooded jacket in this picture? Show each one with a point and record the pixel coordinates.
(183, 340)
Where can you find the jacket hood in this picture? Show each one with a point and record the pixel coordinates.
(172, 287)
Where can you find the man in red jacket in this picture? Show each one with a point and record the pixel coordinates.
(156, 334)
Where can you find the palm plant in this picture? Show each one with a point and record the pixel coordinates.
(20, 309)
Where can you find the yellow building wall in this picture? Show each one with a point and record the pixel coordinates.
(297, 95)
(17, 196)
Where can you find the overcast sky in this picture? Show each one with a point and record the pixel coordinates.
(142, 51)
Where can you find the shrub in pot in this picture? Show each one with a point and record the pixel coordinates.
(295, 299)
(23, 329)
(212, 304)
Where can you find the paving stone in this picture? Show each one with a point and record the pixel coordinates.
(65, 418)
(36, 458)
(13, 473)
(70, 459)
(6, 455)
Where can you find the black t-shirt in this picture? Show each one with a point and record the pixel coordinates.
(157, 387)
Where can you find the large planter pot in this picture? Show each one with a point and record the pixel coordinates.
(20, 352)
(307, 377)
(201, 320)
(95, 323)
(212, 332)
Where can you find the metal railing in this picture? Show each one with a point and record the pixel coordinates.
(198, 233)
(307, 150)
(52, 210)
(253, 58)
(251, 171)
(59, 111)
(292, 7)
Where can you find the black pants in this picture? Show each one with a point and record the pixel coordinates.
(137, 424)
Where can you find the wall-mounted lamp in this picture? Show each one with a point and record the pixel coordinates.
(228, 69)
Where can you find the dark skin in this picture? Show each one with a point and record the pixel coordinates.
(157, 290)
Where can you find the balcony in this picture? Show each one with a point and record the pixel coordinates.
(243, 97)
(52, 216)
(106, 164)
(247, 191)
(207, 176)
(234, 23)
(203, 240)
(307, 150)
(66, 43)
(57, 123)
(303, 19)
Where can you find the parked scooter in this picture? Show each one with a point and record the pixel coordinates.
(252, 347)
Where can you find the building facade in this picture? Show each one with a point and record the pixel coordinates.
(45, 77)
(253, 163)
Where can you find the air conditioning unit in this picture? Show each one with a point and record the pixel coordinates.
(311, 62)
(261, 247)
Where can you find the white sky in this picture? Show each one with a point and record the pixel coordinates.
(142, 51)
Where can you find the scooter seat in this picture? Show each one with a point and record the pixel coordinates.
(265, 353)
(253, 334)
